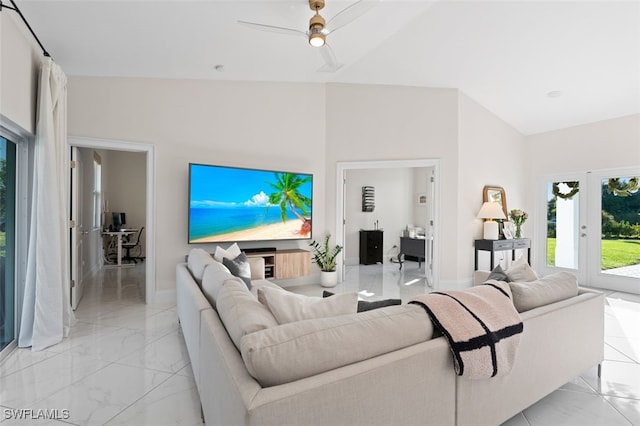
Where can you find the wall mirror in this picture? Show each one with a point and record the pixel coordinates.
(495, 194)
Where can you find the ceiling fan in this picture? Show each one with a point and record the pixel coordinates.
(319, 29)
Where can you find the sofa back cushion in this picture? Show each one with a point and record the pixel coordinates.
(197, 261)
(301, 349)
(240, 311)
(214, 277)
(552, 288)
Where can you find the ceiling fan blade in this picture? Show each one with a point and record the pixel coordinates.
(331, 63)
(273, 29)
(350, 13)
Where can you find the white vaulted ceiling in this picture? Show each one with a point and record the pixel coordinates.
(507, 55)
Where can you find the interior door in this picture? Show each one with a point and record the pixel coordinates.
(75, 240)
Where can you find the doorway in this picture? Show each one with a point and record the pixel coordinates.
(91, 230)
(592, 228)
(413, 203)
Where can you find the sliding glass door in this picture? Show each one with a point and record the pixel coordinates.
(592, 228)
(7, 242)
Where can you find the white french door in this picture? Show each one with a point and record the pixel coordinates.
(591, 226)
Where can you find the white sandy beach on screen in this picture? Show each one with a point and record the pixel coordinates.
(275, 231)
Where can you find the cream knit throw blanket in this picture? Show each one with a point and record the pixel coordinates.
(481, 324)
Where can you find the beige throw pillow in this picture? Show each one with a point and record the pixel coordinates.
(197, 261)
(288, 307)
(550, 289)
(520, 271)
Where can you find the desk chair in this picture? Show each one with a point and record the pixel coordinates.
(128, 246)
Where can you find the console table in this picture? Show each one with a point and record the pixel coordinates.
(412, 247)
(502, 245)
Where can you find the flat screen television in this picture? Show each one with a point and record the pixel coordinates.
(236, 204)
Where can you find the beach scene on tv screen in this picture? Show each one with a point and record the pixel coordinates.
(229, 204)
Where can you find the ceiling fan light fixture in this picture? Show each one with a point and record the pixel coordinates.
(317, 39)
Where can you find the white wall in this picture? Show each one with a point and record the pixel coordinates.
(126, 178)
(19, 68)
(263, 125)
(393, 207)
(369, 123)
(260, 125)
(492, 153)
(607, 144)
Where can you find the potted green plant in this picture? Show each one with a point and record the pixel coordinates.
(325, 257)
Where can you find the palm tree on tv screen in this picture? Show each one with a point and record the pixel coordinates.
(287, 194)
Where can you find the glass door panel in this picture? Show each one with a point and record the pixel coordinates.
(563, 224)
(7, 241)
(614, 256)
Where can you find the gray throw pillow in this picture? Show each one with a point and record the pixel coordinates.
(364, 305)
(498, 274)
(240, 268)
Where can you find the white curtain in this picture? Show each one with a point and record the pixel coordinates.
(46, 312)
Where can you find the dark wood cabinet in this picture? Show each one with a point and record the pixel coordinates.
(370, 247)
(413, 247)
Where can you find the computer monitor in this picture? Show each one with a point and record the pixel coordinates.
(118, 220)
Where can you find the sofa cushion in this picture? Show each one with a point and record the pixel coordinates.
(214, 278)
(549, 289)
(239, 267)
(301, 349)
(197, 261)
(230, 252)
(289, 307)
(520, 271)
(240, 312)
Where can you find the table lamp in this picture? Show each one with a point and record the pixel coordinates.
(490, 211)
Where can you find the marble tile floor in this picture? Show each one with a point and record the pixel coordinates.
(125, 362)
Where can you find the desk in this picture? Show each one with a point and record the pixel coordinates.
(118, 235)
(413, 247)
(502, 245)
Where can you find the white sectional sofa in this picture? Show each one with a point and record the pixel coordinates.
(382, 367)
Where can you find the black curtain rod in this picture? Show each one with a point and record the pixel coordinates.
(17, 10)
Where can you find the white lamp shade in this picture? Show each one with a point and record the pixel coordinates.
(491, 210)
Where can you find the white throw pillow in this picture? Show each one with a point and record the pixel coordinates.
(197, 261)
(520, 271)
(288, 307)
(230, 252)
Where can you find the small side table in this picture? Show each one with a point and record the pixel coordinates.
(502, 245)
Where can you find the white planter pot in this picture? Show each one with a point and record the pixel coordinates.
(328, 279)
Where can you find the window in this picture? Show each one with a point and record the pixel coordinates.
(7, 242)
